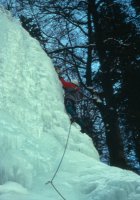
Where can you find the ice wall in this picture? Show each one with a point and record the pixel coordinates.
(34, 128)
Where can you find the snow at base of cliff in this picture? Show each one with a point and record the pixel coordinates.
(34, 129)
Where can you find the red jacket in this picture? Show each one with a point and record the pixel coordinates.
(69, 85)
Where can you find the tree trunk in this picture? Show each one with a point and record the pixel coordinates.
(108, 110)
(113, 139)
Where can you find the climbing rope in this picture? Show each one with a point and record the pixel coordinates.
(63, 153)
(59, 165)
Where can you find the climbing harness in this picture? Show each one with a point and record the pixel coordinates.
(59, 165)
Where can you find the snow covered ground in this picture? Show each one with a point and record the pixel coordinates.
(34, 129)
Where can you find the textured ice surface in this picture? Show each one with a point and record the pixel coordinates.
(34, 128)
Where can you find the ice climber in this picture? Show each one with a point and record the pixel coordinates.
(71, 97)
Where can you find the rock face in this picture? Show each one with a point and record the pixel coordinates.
(34, 129)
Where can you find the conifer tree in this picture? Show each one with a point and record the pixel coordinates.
(117, 41)
(136, 5)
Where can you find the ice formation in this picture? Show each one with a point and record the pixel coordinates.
(34, 129)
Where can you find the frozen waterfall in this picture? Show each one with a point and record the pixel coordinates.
(34, 128)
